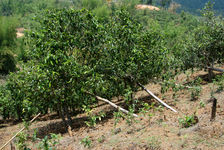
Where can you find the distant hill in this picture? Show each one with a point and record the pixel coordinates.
(194, 6)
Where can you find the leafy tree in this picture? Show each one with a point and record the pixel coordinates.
(165, 3)
(149, 2)
(209, 37)
(72, 52)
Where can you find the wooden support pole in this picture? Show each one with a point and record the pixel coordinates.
(112, 104)
(159, 100)
(18, 133)
(214, 100)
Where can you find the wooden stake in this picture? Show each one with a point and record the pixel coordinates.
(18, 133)
(213, 109)
(159, 100)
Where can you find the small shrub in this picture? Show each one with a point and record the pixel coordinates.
(130, 118)
(7, 62)
(49, 143)
(7, 41)
(101, 139)
(93, 118)
(86, 142)
(117, 116)
(202, 104)
(219, 81)
(21, 141)
(195, 93)
(188, 121)
(146, 107)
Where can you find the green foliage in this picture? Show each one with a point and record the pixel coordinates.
(7, 40)
(7, 31)
(7, 61)
(24, 99)
(86, 142)
(146, 107)
(99, 7)
(5, 104)
(188, 121)
(129, 117)
(93, 118)
(72, 52)
(219, 81)
(101, 139)
(196, 88)
(117, 116)
(75, 51)
(195, 92)
(26, 7)
(21, 142)
(164, 3)
(49, 143)
(202, 104)
(209, 38)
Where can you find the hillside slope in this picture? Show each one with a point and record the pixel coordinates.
(156, 128)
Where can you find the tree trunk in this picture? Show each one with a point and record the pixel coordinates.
(68, 115)
(61, 113)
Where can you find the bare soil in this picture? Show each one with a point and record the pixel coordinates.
(157, 129)
(19, 32)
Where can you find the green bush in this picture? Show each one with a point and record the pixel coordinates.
(188, 121)
(7, 41)
(209, 38)
(7, 61)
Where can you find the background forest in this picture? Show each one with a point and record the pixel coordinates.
(194, 6)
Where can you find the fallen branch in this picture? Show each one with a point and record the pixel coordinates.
(159, 100)
(18, 132)
(112, 104)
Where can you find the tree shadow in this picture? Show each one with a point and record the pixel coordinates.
(51, 116)
(77, 123)
(205, 78)
(58, 127)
